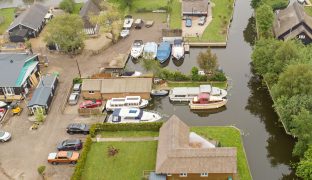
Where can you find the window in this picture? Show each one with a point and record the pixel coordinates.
(203, 174)
(8, 91)
(91, 92)
(169, 175)
(183, 174)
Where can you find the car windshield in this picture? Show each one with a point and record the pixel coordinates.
(82, 126)
(1, 133)
(69, 154)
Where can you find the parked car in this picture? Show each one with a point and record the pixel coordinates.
(91, 104)
(70, 145)
(202, 20)
(73, 98)
(4, 136)
(77, 128)
(188, 22)
(138, 24)
(63, 157)
(77, 88)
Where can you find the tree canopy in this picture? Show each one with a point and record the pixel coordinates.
(265, 19)
(304, 169)
(67, 5)
(207, 61)
(66, 32)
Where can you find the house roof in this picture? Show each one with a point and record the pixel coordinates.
(91, 85)
(91, 7)
(40, 96)
(121, 85)
(290, 17)
(31, 18)
(13, 68)
(47, 80)
(195, 6)
(175, 155)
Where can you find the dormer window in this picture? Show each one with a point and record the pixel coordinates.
(203, 174)
(183, 174)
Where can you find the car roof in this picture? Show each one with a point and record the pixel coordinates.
(77, 86)
(73, 96)
(76, 125)
(72, 141)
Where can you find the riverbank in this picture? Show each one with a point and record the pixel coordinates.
(7, 16)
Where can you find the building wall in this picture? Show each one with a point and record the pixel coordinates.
(145, 95)
(198, 177)
(95, 95)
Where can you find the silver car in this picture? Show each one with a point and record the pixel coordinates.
(202, 20)
(77, 88)
(73, 99)
(4, 136)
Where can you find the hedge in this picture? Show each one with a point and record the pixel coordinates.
(82, 159)
(151, 126)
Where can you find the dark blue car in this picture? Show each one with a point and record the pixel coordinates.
(188, 22)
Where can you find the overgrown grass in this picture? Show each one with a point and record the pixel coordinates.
(175, 15)
(8, 17)
(130, 162)
(147, 5)
(228, 137)
(129, 134)
(308, 10)
(77, 8)
(222, 85)
(217, 29)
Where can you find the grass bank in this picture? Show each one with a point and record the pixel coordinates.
(175, 15)
(130, 162)
(8, 16)
(308, 10)
(171, 84)
(129, 134)
(228, 137)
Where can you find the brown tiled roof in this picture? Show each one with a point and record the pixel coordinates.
(290, 17)
(195, 6)
(174, 155)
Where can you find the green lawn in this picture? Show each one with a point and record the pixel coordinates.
(129, 134)
(8, 15)
(133, 158)
(175, 15)
(222, 85)
(221, 15)
(228, 137)
(147, 5)
(308, 10)
(77, 8)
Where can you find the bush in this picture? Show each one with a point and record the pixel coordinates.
(82, 159)
(153, 126)
(77, 80)
(279, 5)
(173, 75)
(41, 170)
(67, 5)
(218, 76)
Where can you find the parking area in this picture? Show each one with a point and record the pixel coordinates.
(195, 29)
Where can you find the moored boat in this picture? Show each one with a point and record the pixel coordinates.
(205, 101)
(137, 49)
(150, 50)
(132, 115)
(163, 51)
(128, 22)
(127, 102)
(178, 49)
(159, 92)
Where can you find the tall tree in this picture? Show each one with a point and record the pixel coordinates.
(66, 32)
(264, 17)
(207, 61)
(255, 3)
(110, 21)
(304, 168)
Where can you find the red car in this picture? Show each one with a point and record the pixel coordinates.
(90, 104)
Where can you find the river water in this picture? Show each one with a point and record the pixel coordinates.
(249, 108)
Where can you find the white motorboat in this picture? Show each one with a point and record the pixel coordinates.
(124, 33)
(178, 49)
(2, 104)
(188, 93)
(128, 22)
(127, 102)
(150, 50)
(137, 49)
(132, 115)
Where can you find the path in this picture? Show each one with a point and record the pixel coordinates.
(124, 139)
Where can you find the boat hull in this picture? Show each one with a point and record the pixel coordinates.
(111, 108)
(159, 93)
(147, 117)
(213, 105)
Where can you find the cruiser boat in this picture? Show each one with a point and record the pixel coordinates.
(132, 115)
(178, 49)
(128, 22)
(188, 93)
(205, 101)
(127, 102)
(137, 49)
(150, 50)
(163, 51)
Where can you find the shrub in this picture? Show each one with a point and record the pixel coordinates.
(77, 80)
(153, 126)
(279, 5)
(67, 5)
(173, 75)
(82, 160)
(41, 170)
(218, 76)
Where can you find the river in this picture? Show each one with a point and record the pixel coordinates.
(268, 148)
(249, 108)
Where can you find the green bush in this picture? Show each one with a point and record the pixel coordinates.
(82, 159)
(67, 5)
(77, 80)
(41, 170)
(279, 5)
(218, 76)
(152, 126)
(173, 75)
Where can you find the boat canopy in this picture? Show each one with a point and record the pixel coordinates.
(177, 42)
(150, 47)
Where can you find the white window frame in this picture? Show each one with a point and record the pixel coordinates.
(183, 174)
(204, 174)
(8, 91)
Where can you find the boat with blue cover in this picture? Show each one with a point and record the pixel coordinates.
(163, 52)
(132, 115)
